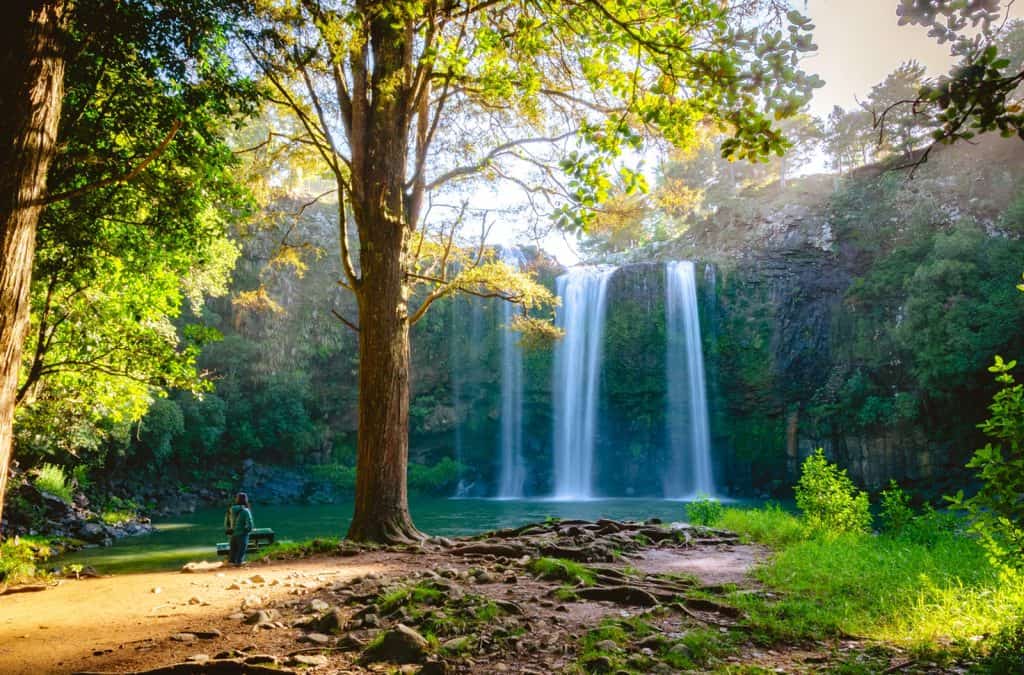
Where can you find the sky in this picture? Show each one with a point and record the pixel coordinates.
(859, 43)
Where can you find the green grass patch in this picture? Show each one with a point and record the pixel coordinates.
(117, 517)
(559, 569)
(915, 591)
(469, 614)
(565, 594)
(771, 525)
(421, 594)
(289, 550)
(696, 650)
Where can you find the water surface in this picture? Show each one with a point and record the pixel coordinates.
(192, 536)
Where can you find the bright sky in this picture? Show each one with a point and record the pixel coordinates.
(859, 43)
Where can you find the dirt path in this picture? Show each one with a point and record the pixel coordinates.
(59, 630)
(136, 622)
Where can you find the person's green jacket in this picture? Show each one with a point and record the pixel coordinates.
(238, 520)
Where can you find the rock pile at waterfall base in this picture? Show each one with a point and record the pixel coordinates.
(569, 596)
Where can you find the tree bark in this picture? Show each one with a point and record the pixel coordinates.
(381, 500)
(380, 133)
(31, 95)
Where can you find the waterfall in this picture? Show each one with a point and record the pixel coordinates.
(577, 372)
(464, 355)
(510, 440)
(689, 471)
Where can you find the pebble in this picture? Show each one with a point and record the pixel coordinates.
(252, 601)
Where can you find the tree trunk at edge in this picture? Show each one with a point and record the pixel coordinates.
(31, 95)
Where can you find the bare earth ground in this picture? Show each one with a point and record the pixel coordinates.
(135, 622)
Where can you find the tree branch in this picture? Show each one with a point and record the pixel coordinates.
(498, 150)
(345, 321)
(123, 178)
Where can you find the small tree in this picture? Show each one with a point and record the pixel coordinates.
(829, 500)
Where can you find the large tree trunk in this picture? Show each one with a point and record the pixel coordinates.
(31, 94)
(381, 504)
(382, 214)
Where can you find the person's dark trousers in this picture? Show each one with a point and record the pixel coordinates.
(239, 542)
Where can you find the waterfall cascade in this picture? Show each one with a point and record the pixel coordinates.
(464, 355)
(689, 472)
(577, 372)
(510, 439)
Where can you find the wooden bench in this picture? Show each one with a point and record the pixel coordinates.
(261, 537)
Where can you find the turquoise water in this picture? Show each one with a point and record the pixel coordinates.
(192, 537)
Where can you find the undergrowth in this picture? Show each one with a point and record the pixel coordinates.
(21, 559)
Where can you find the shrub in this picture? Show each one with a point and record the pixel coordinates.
(896, 512)
(19, 558)
(828, 499)
(996, 510)
(52, 479)
(704, 511)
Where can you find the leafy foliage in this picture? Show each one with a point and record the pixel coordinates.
(981, 93)
(895, 513)
(996, 510)
(828, 499)
(704, 511)
(21, 559)
(141, 199)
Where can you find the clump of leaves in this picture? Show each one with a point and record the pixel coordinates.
(828, 499)
(705, 511)
(997, 510)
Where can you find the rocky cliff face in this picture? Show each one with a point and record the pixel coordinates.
(786, 337)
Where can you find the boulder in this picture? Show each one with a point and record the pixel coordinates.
(332, 622)
(399, 645)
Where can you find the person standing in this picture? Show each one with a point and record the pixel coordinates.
(238, 523)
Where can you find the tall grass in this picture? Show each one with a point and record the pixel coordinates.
(51, 478)
(913, 590)
(769, 525)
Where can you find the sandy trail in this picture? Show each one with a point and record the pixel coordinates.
(58, 630)
(119, 624)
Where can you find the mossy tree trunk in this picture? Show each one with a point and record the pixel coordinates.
(379, 133)
(31, 95)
